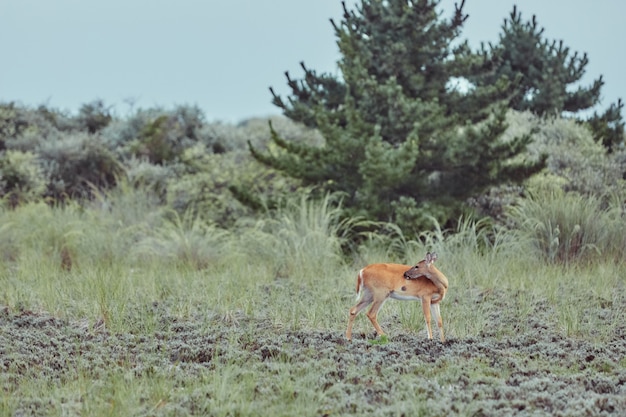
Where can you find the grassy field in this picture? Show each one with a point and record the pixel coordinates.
(123, 309)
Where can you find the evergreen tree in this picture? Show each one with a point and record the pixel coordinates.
(547, 69)
(401, 142)
(545, 73)
(608, 127)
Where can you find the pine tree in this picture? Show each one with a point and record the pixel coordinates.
(547, 69)
(545, 72)
(608, 127)
(401, 142)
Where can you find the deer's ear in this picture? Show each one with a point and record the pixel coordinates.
(430, 258)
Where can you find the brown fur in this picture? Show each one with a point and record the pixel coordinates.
(378, 282)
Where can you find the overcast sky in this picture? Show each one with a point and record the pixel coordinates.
(222, 55)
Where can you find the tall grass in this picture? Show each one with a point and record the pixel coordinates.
(502, 283)
(294, 255)
(289, 269)
(302, 238)
(105, 263)
(183, 240)
(177, 283)
(567, 227)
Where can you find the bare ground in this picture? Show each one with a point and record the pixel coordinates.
(530, 373)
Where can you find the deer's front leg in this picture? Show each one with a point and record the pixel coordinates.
(426, 310)
(437, 313)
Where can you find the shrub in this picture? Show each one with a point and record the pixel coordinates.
(157, 135)
(575, 162)
(10, 127)
(77, 163)
(572, 153)
(206, 191)
(21, 177)
(151, 178)
(42, 233)
(203, 180)
(126, 207)
(223, 137)
(94, 116)
(23, 128)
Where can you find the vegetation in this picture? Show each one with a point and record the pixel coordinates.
(158, 315)
(547, 78)
(401, 142)
(545, 68)
(134, 281)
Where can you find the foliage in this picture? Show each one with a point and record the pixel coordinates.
(380, 341)
(166, 137)
(9, 126)
(573, 154)
(400, 143)
(608, 127)
(547, 76)
(151, 178)
(183, 240)
(134, 328)
(171, 154)
(21, 177)
(70, 160)
(158, 294)
(52, 235)
(576, 162)
(77, 163)
(126, 208)
(94, 116)
(225, 137)
(546, 68)
(19, 122)
(203, 180)
(299, 236)
(156, 134)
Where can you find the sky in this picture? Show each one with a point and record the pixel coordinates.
(223, 55)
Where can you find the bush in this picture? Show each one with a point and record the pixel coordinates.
(203, 180)
(151, 178)
(23, 128)
(221, 137)
(157, 135)
(572, 154)
(21, 177)
(301, 239)
(94, 116)
(76, 164)
(575, 162)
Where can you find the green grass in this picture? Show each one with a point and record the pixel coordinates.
(165, 315)
(570, 228)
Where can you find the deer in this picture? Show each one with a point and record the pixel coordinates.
(376, 283)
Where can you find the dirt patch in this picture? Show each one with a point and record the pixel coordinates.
(538, 373)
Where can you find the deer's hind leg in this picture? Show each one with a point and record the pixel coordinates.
(366, 300)
(373, 313)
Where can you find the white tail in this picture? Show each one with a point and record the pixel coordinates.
(359, 284)
(378, 282)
